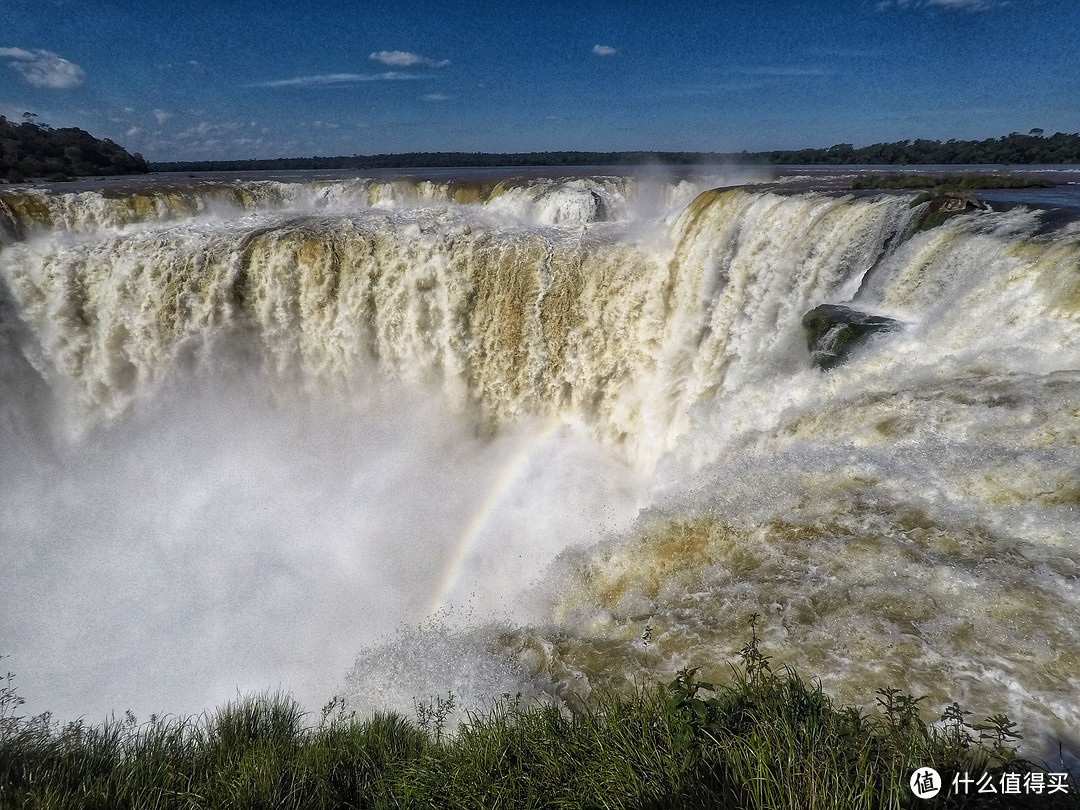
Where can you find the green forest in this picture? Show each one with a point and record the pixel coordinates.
(31, 149)
(35, 150)
(1009, 149)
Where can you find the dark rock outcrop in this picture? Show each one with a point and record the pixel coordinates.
(944, 206)
(834, 331)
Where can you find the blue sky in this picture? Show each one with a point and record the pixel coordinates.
(193, 79)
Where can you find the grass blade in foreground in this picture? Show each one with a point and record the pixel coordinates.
(766, 740)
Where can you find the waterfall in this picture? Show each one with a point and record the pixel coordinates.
(586, 405)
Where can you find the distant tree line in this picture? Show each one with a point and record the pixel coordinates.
(447, 160)
(31, 149)
(1013, 148)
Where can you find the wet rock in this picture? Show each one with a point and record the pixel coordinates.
(944, 206)
(834, 331)
(600, 209)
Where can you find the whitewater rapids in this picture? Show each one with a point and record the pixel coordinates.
(486, 431)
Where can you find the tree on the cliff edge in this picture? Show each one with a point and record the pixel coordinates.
(34, 149)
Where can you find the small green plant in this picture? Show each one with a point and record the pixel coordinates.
(10, 702)
(335, 713)
(512, 702)
(901, 710)
(755, 663)
(999, 729)
(646, 640)
(431, 715)
(955, 728)
(684, 703)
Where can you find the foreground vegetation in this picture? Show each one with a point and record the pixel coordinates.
(766, 740)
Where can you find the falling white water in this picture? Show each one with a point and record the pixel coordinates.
(483, 433)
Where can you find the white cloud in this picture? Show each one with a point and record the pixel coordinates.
(406, 59)
(162, 116)
(43, 68)
(339, 79)
(435, 97)
(603, 50)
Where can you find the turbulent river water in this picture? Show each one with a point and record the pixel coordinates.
(393, 437)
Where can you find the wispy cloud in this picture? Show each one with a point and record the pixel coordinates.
(782, 71)
(162, 116)
(970, 5)
(406, 59)
(743, 79)
(604, 50)
(342, 79)
(435, 97)
(963, 5)
(958, 113)
(714, 89)
(43, 68)
(208, 128)
(848, 53)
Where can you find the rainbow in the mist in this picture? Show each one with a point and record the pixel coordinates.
(501, 483)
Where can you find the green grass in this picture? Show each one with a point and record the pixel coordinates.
(764, 740)
(941, 184)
